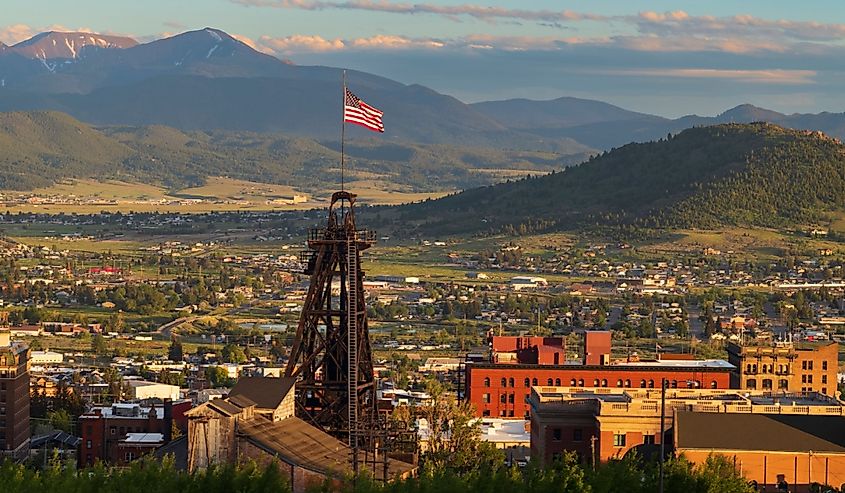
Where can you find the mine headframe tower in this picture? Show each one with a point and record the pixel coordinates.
(331, 356)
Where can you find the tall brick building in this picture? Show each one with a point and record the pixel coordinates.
(14, 397)
(502, 390)
(785, 367)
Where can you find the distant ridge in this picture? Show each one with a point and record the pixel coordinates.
(38, 149)
(206, 79)
(68, 45)
(729, 174)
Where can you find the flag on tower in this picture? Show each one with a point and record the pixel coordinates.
(360, 113)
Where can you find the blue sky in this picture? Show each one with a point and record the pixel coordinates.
(665, 57)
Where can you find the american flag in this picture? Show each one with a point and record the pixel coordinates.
(360, 113)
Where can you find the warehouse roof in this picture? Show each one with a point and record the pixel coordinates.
(765, 432)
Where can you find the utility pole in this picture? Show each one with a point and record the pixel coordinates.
(662, 430)
(593, 450)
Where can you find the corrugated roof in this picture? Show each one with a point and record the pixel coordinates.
(265, 392)
(296, 442)
(765, 432)
(224, 407)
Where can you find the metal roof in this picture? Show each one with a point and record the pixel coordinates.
(296, 442)
(264, 392)
(760, 432)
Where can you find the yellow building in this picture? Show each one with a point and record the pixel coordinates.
(785, 367)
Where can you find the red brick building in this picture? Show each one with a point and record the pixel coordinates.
(501, 390)
(104, 430)
(529, 350)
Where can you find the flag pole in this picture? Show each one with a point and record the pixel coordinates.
(343, 136)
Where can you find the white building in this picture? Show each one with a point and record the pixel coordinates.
(523, 282)
(46, 358)
(142, 389)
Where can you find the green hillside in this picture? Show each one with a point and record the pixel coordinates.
(732, 174)
(38, 148)
(41, 148)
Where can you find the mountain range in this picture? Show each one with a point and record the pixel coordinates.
(209, 80)
(42, 148)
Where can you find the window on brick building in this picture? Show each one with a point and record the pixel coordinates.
(557, 382)
(504, 382)
(527, 382)
(713, 384)
(581, 382)
(604, 382)
(485, 398)
(556, 434)
(783, 384)
(572, 383)
(751, 384)
(88, 444)
(824, 365)
(511, 382)
(619, 383)
(577, 435)
(642, 384)
(485, 413)
(596, 382)
(809, 378)
(534, 381)
(648, 439)
(627, 383)
(487, 381)
(618, 439)
(824, 378)
(503, 398)
(550, 382)
(511, 398)
(651, 384)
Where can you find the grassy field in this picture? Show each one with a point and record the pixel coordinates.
(756, 243)
(93, 246)
(218, 193)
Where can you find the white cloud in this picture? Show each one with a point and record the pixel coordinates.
(16, 33)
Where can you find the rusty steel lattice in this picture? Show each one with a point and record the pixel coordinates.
(331, 356)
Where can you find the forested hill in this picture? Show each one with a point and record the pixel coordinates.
(741, 174)
(38, 149)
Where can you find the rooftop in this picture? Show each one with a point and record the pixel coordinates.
(143, 438)
(646, 402)
(265, 392)
(772, 433)
(683, 364)
(296, 442)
